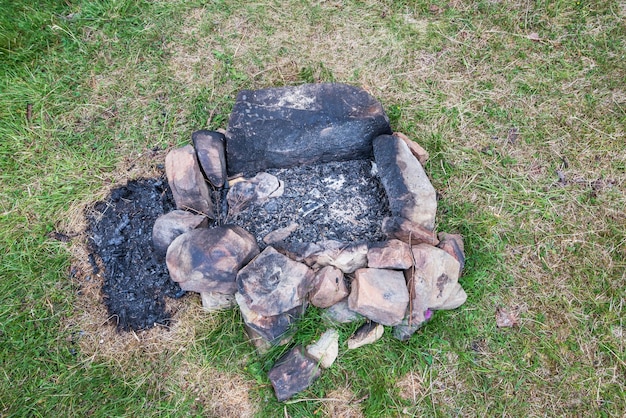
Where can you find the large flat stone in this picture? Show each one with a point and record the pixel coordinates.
(211, 153)
(410, 193)
(207, 260)
(289, 126)
(380, 295)
(273, 283)
(347, 257)
(407, 231)
(187, 181)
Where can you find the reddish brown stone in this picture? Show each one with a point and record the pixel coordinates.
(416, 149)
(167, 227)
(392, 254)
(453, 245)
(187, 182)
(380, 295)
(293, 373)
(209, 147)
(328, 287)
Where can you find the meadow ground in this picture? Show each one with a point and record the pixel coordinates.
(521, 104)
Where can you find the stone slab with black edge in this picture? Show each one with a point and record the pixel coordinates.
(273, 284)
(167, 227)
(211, 153)
(312, 123)
(187, 181)
(453, 245)
(396, 227)
(207, 260)
(368, 333)
(293, 373)
(393, 254)
(411, 194)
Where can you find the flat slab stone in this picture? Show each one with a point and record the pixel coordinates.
(380, 295)
(340, 313)
(289, 126)
(410, 193)
(392, 254)
(326, 349)
(347, 257)
(273, 283)
(187, 181)
(293, 373)
(368, 333)
(167, 227)
(211, 153)
(207, 260)
(416, 149)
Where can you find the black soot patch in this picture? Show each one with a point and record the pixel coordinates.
(136, 280)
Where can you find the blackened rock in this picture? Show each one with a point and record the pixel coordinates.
(211, 154)
(407, 231)
(167, 227)
(207, 260)
(289, 126)
(273, 283)
(410, 193)
(293, 373)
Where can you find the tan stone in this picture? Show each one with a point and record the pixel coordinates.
(187, 182)
(345, 256)
(453, 245)
(326, 349)
(368, 333)
(392, 254)
(213, 301)
(416, 149)
(211, 154)
(167, 227)
(380, 295)
(328, 287)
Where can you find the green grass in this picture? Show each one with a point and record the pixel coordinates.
(106, 82)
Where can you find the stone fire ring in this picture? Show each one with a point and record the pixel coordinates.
(397, 282)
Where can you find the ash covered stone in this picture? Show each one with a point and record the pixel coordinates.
(340, 201)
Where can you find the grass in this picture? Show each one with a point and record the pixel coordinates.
(521, 106)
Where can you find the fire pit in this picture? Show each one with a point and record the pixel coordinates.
(307, 198)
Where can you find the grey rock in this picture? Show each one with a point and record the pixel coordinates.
(273, 283)
(368, 333)
(211, 154)
(410, 193)
(167, 227)
(289, 126)
(380, 295)
(392, 254)
(293, 373)
(328, 287)
(347, 257)
(341, 313)
(207, 260)
(408, 327)
(326, 349)
(187, 181)
(255, 190)
(407, 231)
(213, 301)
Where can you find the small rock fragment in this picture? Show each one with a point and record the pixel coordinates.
(368, 333)
(293, 373)
(273, 330)
(328, 287)
(380, 295)
(213, 301)
(326, 349)
(255, 190)
(280, 234)
(167, 227)
(187, 182)
(392, 254)
(209, 147)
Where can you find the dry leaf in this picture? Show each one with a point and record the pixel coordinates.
(505, 319)
(534, 36)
